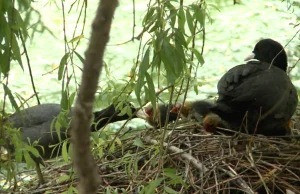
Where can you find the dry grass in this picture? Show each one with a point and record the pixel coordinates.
(192, 161)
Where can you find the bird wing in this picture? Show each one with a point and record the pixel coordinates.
(34, 115)
(260, 86)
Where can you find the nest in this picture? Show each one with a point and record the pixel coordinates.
(190, 161)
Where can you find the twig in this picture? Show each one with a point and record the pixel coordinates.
(184, 155)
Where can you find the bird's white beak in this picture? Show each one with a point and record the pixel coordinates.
(249, 57)
(142, 114)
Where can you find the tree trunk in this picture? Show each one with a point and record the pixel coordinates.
(80, 131)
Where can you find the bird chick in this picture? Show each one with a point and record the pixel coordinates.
(212, 121)
(193, 109)
(160, 117)
(201, 111)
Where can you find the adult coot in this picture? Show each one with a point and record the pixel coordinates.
(257, 97)
(111, 114)
(35, 123)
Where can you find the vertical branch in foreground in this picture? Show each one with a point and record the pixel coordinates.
(80, 131)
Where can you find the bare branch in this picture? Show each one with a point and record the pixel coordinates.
(82, 156)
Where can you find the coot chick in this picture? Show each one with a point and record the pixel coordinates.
(160, 118)
(258, 97)
(201, 111)
(193, 109)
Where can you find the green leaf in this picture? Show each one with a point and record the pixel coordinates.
(33, 151)
(118, 141)
(169, 190)
(18, 155)
(150, 189)
(30, 163)
(62, 64)
(65, 152)
(19, 23)
(200, 17)
(190, 21)
(149, 16)
(154, 27)
(138, 142)
(16, 50)
(152, 21)
(181, 19)
(173, 13)
(169, 59)
(151, 91)
(196, 89)
(112, 148)
(94, 136)
(64, 102)
(52, 126)
(141, 75)
(70, 150)
(63, 178)
(189, 39)
(71, 99)
(57, 129)
(71, 189)
(198, 55)
(76, 38)
(179, 37)
(6, 32)
(146, 92)
(11, 98)
(22, 23)
(79, 57)
(5, 62)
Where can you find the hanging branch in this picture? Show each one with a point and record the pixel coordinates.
(82, 157)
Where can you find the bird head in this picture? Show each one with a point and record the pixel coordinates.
(211, 122)
(159, 116)
(186, 109)
(148, 114)
(269, 51)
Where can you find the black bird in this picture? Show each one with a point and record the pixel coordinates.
(35, 123)
(257, 97)
(111, 114)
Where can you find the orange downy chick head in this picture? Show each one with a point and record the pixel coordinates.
(150, 112)
(211, 122)
(186, 109)
(176, 108)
